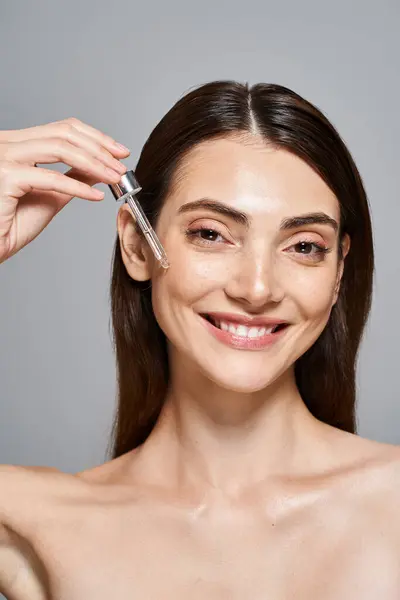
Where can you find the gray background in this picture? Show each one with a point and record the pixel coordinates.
(120, 66)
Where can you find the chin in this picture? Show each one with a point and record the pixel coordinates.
(238, 388)
(241, 377)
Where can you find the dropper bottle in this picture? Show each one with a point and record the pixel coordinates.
(126, 190)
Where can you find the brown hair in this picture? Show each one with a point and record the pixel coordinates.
(325, 374)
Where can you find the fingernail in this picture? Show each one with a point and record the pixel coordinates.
(121, 147)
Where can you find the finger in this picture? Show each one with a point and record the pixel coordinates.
(16, 181)
(94, 148)
(105, 140)
(62, 128)
(53, 150)
(60, 199)
(81, 176)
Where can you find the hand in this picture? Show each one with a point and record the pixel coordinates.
(31, 196)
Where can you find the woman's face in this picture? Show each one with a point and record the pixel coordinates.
(222, 227)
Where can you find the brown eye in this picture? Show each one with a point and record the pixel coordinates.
(311, 250)
(304, 246)
(208, 234)
(205, 236)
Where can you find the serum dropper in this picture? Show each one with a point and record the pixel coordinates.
(126, 190)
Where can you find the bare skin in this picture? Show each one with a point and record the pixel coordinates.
(332, 535)
(239, 492)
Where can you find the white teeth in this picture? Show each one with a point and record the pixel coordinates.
(254, 332)
(242, 330)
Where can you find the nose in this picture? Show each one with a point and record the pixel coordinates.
(255, 281)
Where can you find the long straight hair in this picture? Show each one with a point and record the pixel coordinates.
(325, 373)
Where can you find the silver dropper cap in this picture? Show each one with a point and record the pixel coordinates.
(127, 185)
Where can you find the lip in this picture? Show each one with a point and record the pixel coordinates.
(240, 342)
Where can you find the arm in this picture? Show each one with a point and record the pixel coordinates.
(10, 561)
(21, 572)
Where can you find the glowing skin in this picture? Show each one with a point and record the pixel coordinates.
(256, 271)
(252, 272)
(238, 492)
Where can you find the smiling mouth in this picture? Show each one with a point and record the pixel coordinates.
(240, 330)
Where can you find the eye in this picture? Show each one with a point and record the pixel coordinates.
(205, 236)
(208, 236)
(305, 247)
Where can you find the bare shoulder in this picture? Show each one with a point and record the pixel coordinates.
(378, 481)
(365, 476)
(384, 501)
(29, 494)
(18, 484)
(384, 458)
(26, 494)
(380, 460)
(388, 466)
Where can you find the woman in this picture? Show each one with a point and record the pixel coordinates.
(236, 470)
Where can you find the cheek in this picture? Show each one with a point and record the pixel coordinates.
(191, 276)
(314, 295)
(181, 286)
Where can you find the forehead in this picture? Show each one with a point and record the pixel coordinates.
(251, 176)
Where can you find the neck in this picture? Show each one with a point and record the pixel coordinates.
(208, 438)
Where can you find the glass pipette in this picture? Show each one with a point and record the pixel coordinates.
(126, 190)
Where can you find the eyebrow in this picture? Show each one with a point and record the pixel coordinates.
(319, 218)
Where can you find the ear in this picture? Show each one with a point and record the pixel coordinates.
(134, 248)
(345, 250)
